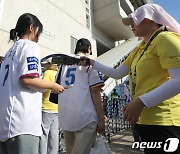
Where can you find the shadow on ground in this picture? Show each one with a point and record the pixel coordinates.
(121, 143)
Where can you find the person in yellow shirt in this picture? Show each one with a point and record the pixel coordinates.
(49, 139)
(154, 72)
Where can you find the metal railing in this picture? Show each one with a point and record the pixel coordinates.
(115, 120)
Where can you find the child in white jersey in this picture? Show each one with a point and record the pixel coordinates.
(20, 89)
(81, 113)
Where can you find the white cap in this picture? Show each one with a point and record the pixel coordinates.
(47, 61)
(154, 13)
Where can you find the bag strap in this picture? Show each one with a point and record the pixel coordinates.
(147, 45)
(149, 42)
(133, 76)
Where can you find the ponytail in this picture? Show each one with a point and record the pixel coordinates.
(13, 35)
(23, 23)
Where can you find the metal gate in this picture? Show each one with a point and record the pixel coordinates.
(115, 120)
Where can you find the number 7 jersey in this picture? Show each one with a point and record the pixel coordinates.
(20, 107)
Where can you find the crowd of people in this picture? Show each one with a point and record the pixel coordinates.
(29, 122)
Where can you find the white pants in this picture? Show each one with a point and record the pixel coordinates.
(49, 139)
(81, 141)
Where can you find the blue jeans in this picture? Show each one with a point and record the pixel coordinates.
(22, 144)
(49, 139)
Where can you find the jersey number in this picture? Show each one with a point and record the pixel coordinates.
(7, 73)
(70, 76)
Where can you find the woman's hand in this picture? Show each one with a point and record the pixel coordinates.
(56, 88)
(85, 61)
(133, 110)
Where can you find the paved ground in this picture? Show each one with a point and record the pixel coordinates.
(121, 143)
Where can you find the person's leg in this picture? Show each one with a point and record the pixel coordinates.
(22, 144)
(69, 141)
(135, 132)
(154, 134)
(113, 107)
(85, 139)
(3, 148)
(28, 144)
(117, 108)
(44, 137)
(52, 147)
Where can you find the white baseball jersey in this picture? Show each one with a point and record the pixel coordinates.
(76, 107)
(20, 107)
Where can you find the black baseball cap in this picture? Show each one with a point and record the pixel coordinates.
(83, 41)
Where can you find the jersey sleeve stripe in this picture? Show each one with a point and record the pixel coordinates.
(99, 84)
(29, 75)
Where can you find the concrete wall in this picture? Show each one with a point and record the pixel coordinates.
(61, 20)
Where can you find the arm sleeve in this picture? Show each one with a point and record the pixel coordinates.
(117, 73)
(30, 61)
(165, 91)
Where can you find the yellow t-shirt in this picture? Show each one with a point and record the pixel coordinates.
(151, 71)
(49, 75)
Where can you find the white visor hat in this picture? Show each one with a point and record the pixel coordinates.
(154, 13)
(47, 61)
